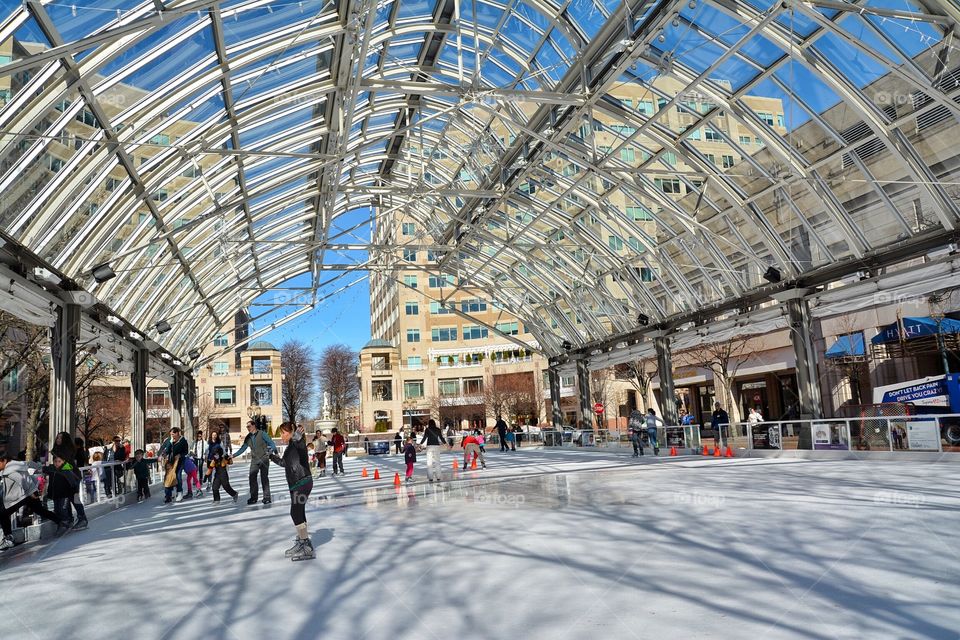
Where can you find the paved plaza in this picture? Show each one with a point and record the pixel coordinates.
(543, 544)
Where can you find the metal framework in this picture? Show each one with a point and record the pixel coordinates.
(559, 158)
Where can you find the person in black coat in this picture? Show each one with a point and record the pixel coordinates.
(296, 465)
(501, 427)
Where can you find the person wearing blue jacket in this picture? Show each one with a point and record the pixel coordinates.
(261, 448)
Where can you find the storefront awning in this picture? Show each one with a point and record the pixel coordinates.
(915, 328)
(847, 346)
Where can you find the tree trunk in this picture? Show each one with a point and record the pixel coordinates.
(31, 431)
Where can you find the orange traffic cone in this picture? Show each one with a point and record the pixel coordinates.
(716, 452)
(396, 479)
(473, 465)
(456, 465)
(376, 474)
(363, 474)
(705, 450)
(729, 452)
(673, 451)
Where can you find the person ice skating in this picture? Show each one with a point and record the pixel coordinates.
(471, 448)
(63, 481)
(119, 455)
(449, 434)
(261, 448)
(481, 440)
(320, 453)
(636, 437)
(300, 480)
(19, 489)
(173, 452)
(218, 465)
(200, 450)
(339, 448)
(398, 442)
(75, 458)
(410, 456)
(141, 471)
(501, 427)
(433, 439)
(192, 472)
(652, 422)
(212, 442)
(511, 440)
(718, 420)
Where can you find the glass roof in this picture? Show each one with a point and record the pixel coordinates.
(577, 163)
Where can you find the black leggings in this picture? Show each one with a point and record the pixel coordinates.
(298, 503)
(33, 505)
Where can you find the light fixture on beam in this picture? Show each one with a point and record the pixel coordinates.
(45, 275)
(114, 320)
(103, 272)
(643, 319)
(162, 327)
(772, 275)
(566, 345)
(194, 354)
(166, 356)
(135, 336)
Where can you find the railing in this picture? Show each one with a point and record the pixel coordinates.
(512, 360)
(459, 365)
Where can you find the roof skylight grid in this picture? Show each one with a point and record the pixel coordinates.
(680, 148)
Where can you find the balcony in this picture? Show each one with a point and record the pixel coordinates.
(381, 369)
(459, 365)
(513, 360)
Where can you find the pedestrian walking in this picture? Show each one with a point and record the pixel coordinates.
(300, 481)
(261, 448)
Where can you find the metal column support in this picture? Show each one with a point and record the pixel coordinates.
(63, 374)
(668, 405)
(583, 386)
(556, 412)
(189, 390)
(176, 405)
(802, 330)
(138, 398)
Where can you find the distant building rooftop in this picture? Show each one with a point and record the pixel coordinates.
(378, 344)
(261, 345)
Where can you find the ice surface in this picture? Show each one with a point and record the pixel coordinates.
(544, 544)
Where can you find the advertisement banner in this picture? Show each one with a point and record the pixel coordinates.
(765, 436)
(830, 436)
(922, 435)
(675, 437)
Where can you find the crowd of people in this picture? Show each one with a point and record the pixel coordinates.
(188, 471)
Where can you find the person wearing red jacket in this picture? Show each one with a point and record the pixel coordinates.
(470, 446)
(339, 448)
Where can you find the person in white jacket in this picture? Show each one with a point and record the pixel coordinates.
(19, 489)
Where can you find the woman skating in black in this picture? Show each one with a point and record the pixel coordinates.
(296, 465)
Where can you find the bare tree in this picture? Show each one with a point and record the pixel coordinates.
(603, 389)
(640, 373)
(723, 360)
(852, 366)
(338, 377)
(26, 350)
(102, 410)
(298, 379)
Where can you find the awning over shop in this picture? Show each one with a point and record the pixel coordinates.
(847, 346)
(915, 328)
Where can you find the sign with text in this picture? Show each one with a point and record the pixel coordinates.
(765, 436)
(922, 435)
(830, 436)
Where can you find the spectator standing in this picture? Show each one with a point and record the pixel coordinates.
(718, 421)
(398, 442)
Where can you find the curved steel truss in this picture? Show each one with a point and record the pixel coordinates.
(579, 163)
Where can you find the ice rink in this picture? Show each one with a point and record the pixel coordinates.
(543, 544)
